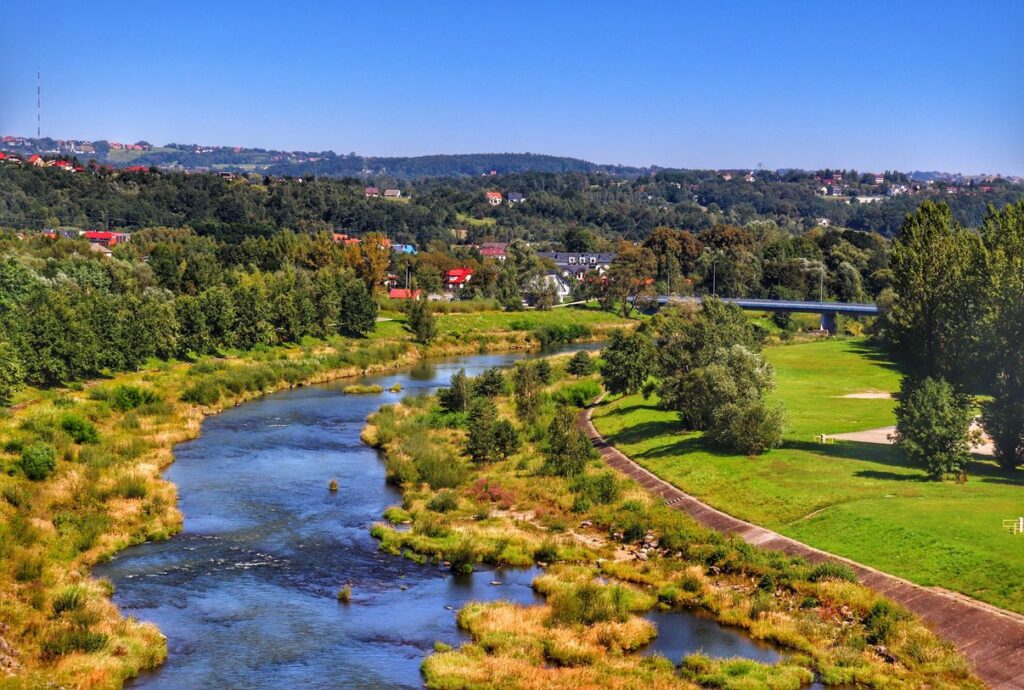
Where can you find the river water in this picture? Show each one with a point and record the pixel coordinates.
(246, 592)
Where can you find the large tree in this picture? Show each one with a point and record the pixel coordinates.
(629, 359)
(932, 425)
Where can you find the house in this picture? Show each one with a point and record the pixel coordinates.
(403, 293)
(100, 249)
(371, 192)
(144, 169)
(880, 178)
(457, 278)
(562, 287)
(403, 249)
(342, 238)
(516, 198)
(392, 193)
(106, 238)
(494, 250)
(36, 160)
(578, 264)
(494, 198)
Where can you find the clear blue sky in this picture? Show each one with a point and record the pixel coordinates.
(900, 85)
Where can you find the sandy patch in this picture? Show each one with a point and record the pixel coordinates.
(882, 435)
(868, 395)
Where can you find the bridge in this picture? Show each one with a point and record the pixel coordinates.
(828, 310)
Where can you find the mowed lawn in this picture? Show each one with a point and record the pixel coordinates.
(481, 322)
(858, 500)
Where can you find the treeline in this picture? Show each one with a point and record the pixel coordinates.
(442, 209)
(954, 321)
(67, 313)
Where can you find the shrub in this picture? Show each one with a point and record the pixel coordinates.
(830, 570)
(932, 425)
(29, 568)
(588, 603)
(882, 619)
(76, 640)
(559, 333)
(69, 599)
(462, 558)
(202, 393)
(444, 501)
(578, 394)
(126, 397)
(547, 552)
(360, 389)
(17, 496)
(131, 486)
(39, 461)
(79, 429)
(600, 489)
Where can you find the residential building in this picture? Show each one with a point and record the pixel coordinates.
(403, 248)
(36, 160)
(371, 192)
(457, 278)
(578, 264)
(392, 193)
(100, 249)
(403, 293)
(562, 286)
(516, 198)
(880, 178)
(494, 198)
(494, 250)
(106, 238)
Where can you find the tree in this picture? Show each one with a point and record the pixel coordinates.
(630, 275)
(932, 425)
(1002, 356)
(938, 292)
(421, 321)
(489, 384)
(12, 373)
(506, 438)
(456, 397)
(566, 449)
(480, 441)
(580, 364)
(733, 376)
(748, 426)
(508, 290)
(371, 258)
(526, 389)
(358, 309)
(629, 359)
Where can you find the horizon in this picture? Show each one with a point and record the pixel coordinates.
(819, 88)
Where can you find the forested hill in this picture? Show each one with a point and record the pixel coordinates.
(458, 165)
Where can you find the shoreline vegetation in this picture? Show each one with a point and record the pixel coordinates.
(611, 552)
(109, 441)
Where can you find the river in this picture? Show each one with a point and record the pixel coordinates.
(246, 592)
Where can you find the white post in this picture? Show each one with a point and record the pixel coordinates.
(1020, 525)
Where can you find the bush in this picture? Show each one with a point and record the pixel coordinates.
(202, 393)
(131, 486)
(560, 333)
(750, 427)
(69, 599)
(444, 501)
(600, 489)
(39, 461)
(462, 558)
(79, 429)
(882, 620)
(579, 394)
(17, 496)
(830, 570)
(77, 640)
(125, 397)
(580, 365)
(588, 603)
(360, 389)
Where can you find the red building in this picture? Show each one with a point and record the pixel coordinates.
(457, 278)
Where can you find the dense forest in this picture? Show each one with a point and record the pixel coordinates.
(607, 207)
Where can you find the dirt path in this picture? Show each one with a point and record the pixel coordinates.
(992, 639)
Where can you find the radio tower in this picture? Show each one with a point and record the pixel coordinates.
(39, 104)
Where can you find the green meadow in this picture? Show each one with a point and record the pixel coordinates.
(858, 500)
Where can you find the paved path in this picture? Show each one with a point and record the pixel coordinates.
(883, 435)
(992, 639)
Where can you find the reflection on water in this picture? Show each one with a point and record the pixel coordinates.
(246, 593)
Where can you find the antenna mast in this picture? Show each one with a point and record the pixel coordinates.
(39, 104)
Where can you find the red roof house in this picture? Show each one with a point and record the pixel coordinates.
(106, 239)
(494, 250)
(457, 278)
(36, 160)
(494, 198)
(403, 293)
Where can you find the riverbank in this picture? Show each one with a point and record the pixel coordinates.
(862, 501)
(59, 625)
(612, 552)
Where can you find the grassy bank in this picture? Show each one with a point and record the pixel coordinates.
(611, 552)
(108, 440)
(859, 500)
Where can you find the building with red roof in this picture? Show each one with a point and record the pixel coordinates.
(106, 238)
(457, 278)
(403, 293)
(494, 198)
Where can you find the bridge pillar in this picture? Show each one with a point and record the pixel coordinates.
(828, 322)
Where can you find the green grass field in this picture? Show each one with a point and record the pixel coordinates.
(858, 500)
(480, 322)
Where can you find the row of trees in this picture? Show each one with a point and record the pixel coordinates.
(955, 323)
(68, 314)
